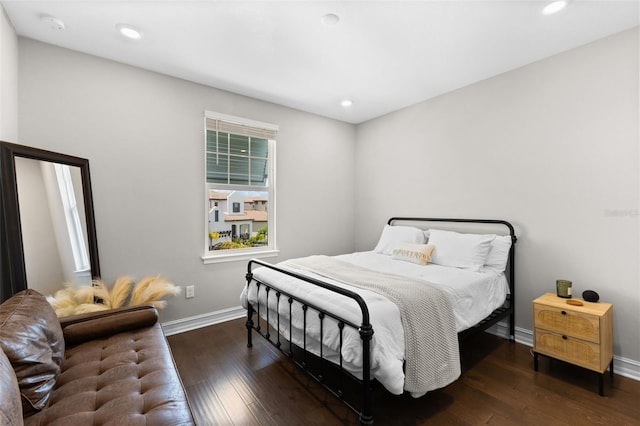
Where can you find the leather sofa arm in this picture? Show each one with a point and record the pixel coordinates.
(93, 325)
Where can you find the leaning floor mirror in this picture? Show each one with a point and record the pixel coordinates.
(48, 223)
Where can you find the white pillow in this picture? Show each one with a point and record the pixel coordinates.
(393, 236)
(468, 251)
(499, 253)
(414, 253)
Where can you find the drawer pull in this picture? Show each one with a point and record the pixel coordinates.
(563, 312)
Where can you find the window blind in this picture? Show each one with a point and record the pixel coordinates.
(237, 153)
(261, 130)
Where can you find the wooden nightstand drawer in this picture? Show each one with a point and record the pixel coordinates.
(567, 322)
(580, 352)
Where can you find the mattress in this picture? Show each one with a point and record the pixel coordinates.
(474, 295)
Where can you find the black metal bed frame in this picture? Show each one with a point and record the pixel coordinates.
(365, 329)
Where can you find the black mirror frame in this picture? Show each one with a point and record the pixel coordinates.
(13, 276)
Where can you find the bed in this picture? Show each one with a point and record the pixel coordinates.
(394, 315)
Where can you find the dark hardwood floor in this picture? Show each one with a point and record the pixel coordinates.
(230, 384)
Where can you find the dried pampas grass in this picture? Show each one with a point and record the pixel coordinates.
(152, 290)
(100, 292)
(89, 307)
(139, 289)
(65, 301)
(73, 299)
(120, 291)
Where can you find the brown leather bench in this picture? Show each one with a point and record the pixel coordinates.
(110, 367)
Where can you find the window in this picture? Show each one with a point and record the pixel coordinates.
(240, 188)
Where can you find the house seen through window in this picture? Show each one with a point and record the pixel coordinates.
(240, 187)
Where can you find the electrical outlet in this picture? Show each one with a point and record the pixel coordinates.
(190, 291)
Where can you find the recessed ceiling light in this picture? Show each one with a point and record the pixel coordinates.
(54, 23)
(129, 31)
(554, 7)
(330, 19)
(346, 103)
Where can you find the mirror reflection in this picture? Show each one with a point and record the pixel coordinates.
(54, 226)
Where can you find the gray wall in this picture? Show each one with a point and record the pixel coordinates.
(551, 147)
(8, 79)
(143, 135)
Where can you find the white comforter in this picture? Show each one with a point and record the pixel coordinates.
(474, 295)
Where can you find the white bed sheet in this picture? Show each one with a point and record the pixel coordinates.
(474, 295)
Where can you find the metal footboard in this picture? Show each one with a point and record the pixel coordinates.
(364, 329)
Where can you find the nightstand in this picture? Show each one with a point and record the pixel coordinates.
(580, 335)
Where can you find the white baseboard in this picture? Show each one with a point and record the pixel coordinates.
(623, 366)
(203, 320)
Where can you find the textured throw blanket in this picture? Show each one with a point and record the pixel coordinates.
(432, 358)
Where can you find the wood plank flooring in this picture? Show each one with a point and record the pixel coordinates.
(230, 384)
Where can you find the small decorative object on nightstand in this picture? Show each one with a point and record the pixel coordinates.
(563, 288)
(578, 334)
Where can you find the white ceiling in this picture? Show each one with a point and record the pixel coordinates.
(383, 55)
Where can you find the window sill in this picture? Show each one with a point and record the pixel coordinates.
(233, 257)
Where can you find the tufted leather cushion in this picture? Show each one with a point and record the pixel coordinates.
(10, 406)
(125, 379)
(31, 337)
